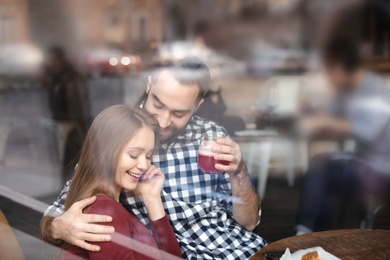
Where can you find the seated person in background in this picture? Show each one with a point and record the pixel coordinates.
(117, 155)
(213, 215)
(360, 110)
(214, 106)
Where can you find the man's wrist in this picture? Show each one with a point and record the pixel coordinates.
(241, 176)
(53, 224)
(240, 169)
(50, 235)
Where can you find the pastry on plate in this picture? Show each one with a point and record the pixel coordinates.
(311, 256)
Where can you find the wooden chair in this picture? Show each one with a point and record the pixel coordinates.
(9, 245)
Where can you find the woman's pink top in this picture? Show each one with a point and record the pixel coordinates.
(127, 226)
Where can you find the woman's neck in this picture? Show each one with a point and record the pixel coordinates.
(117, 194)
(112, 193)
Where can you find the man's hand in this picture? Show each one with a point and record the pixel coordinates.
(247, 203)
(76, 228)
(228, 150)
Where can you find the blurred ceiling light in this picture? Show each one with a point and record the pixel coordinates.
(113, 61)
(125, 61)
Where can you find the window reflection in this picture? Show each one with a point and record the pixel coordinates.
(63, 62)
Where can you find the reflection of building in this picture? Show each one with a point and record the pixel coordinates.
(128, 25)
(48, 23)
(184, 16)
(13, 21)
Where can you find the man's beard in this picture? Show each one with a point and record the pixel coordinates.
(171, 138)
(175, 131)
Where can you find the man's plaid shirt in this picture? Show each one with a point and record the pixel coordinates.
(199, 205)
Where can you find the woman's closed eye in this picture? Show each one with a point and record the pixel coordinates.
(134, 156)
(149, 155)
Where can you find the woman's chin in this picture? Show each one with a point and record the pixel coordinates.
(129, 187)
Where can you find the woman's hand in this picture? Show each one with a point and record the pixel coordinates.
(151, 183)
(149, 187)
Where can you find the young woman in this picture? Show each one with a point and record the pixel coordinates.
(116, 156)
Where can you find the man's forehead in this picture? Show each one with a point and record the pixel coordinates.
(165, 76)
(172, 93)
(173, 104)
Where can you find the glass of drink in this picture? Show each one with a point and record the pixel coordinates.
(206, 159)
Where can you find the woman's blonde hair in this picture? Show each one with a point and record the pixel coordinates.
(111, 130)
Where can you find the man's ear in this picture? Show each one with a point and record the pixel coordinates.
(149, 84)
(199, 104)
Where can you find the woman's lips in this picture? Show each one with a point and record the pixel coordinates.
(134, 176)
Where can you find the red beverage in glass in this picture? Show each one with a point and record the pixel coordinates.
(207, 162)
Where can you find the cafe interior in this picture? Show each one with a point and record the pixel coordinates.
(302, 87)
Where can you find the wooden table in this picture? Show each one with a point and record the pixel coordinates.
(345, 244)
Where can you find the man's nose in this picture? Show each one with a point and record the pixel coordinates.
(164, 120)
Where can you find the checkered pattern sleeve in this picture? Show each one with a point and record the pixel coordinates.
(224, 188)
(58, 206)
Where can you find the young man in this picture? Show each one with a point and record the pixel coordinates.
(360, 110)
(212, 214)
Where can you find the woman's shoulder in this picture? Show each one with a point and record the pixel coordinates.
(103, 197)
(107, 206)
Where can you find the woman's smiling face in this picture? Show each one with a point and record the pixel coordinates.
(135, 159)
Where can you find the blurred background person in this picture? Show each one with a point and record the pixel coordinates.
(360, 110)
(214, 106)
(69, 106)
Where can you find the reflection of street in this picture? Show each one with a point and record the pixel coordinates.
(31, 158)
(30, 163)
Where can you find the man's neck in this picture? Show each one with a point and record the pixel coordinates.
(355, 80)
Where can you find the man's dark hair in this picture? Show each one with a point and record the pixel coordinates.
(189, 71)
(342, 52)
(342, 38)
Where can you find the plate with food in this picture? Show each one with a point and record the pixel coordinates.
(314, 253)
